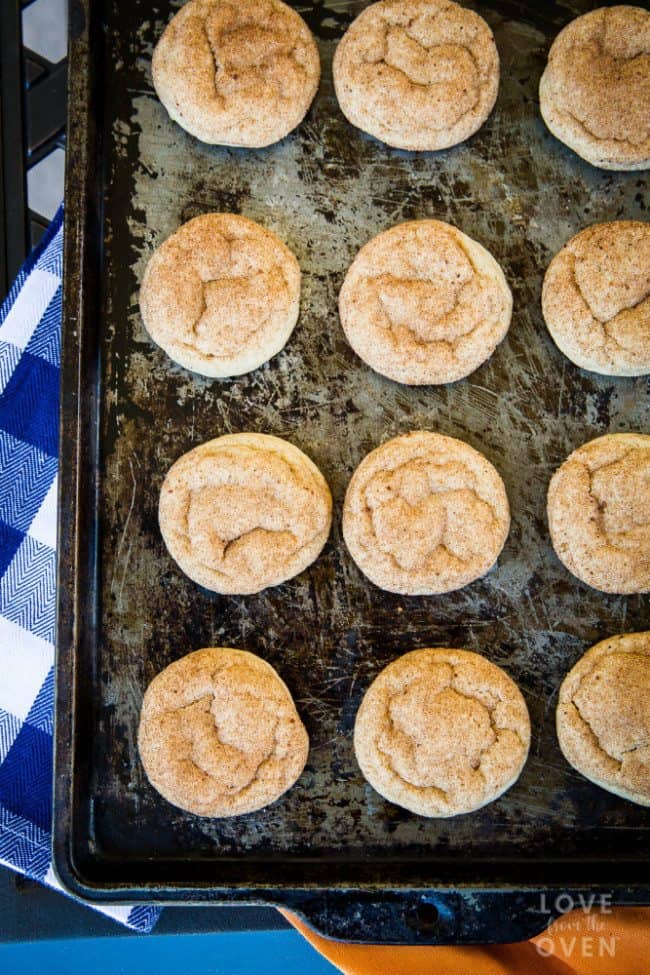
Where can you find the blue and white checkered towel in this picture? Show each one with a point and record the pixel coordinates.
(30, 343)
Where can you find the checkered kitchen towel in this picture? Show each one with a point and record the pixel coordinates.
(30, 343)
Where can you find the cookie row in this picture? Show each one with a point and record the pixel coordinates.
(415, 74)
(422, 303)
(439, 731)
(423, 513)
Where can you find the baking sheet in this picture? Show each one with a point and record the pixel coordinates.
(326, 190)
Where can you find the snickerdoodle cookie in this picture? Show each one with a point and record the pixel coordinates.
(594, 94)
(236, 72)
(417, 74)
(603, 716)
(221, 295)
(423, 303)
(599, 513)
(425, 514)
(596, 298)
(243, 512)
(219, 733)
(442, 732)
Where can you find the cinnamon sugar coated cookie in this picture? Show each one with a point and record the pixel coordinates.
(423, 303)
(417, 74)
(244, 512)
(425, 514)
(442, 732)
(219, 733)
(596, 298)
(236, 72)
(599, 513)
(594, 94)
(221, 295)
(603, 716)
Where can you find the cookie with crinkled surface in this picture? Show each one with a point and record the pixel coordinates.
(219, 733)
(598, 509)
(221, 296)
(236, 72)
(417, 74)
(596, 298)
(425, 514)
(603, 716)
(422, 303)
(442, 732)
(594, 94)
(244, 512)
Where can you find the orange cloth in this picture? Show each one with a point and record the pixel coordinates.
(617, 943)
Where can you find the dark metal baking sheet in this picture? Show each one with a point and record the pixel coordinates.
(355, 865)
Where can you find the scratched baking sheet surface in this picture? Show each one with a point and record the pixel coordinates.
(326, 190)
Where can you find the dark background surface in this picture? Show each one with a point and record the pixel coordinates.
(32, 127)
(29, 911)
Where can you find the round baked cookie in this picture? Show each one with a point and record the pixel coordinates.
(236, 72)
(422, 303)
(596, 298)
(219, 733)
(417, 74)
(221, 295)
(603, 716)
(425, 514)
(442, 732)
(594, 94)
(599, 513)
(244, 512)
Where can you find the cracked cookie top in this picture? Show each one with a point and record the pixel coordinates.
(594, 94)
(596, 298)
(603, 716)
(221, 295)
(422, 303)
(219, 733)
(244, 512)
(599, 513)
(417, 74)
(236, 72)
(442, 732)
(425, 514)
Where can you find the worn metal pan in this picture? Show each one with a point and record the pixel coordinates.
(332, 849)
